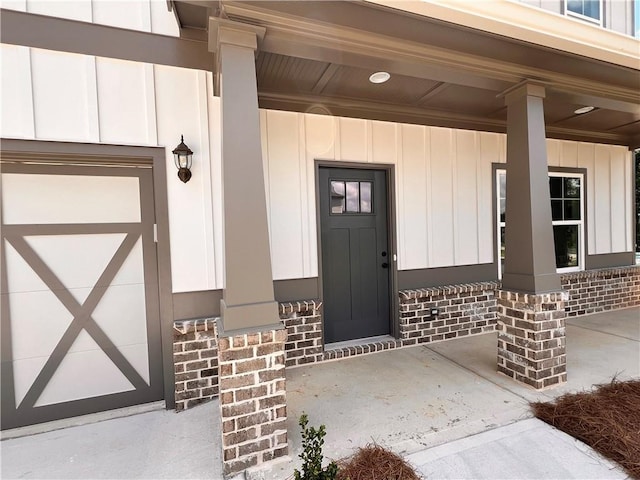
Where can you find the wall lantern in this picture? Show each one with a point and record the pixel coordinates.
(182, 158)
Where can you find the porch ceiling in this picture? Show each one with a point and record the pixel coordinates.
(317, 57)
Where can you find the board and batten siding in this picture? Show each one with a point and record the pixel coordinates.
(444, 194)
(444, 187)
(80, 98)
(143, 15)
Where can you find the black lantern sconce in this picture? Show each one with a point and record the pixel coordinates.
(182, 156)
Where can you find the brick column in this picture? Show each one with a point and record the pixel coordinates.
(531, 337)
(252, 399)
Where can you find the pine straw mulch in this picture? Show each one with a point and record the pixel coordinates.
(607, 419)
(374, 462)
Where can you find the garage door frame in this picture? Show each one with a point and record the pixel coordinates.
(65, 153)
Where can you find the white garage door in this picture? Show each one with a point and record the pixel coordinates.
(80, 319)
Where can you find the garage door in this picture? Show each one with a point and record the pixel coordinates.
(80, 315)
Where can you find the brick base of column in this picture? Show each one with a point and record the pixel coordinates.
(252, 399)
(531, 338)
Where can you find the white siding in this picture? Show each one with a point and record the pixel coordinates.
(143, 15)
(79, 98)
(444, 187)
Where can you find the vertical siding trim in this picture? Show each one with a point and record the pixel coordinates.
(426, 132)
(401, 196)
(205, 180)
(453, 143)
(628, 196)
(478, 164)
(145, 15)
(93, 118)
(611, 195)
(369, 140)
(337, 155)
(150, 102)
(32, 107)
(304, 198)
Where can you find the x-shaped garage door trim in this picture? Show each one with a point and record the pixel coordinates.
(82, 315)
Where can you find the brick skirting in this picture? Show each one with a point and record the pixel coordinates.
(195, 360)
(594, 291)
(462, 310)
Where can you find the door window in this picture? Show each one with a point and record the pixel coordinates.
(350, 197)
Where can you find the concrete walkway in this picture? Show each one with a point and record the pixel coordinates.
(444, 407)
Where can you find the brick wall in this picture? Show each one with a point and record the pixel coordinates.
(195, 359)
(304, 332)
(253, 403)
(463, 310)
(595, 291)
(532, 337)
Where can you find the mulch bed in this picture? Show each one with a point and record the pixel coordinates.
(607, 419)
(374, 462)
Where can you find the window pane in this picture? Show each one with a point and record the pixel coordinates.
(592, 9)
(502, 229)
(337, 197)
(575, 6)
(503, 209)
(555, 187)
(572, 187)
(353, 197)
(566, 243)
(365, 197)
(502, 180)
(572, 209)
(556, 209)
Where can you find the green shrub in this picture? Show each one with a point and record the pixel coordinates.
(312, 441)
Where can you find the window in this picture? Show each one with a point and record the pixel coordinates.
(636, 18)
(585, 9)
(350, 197)
(567, 214)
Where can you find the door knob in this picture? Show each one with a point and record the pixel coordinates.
(385, 265)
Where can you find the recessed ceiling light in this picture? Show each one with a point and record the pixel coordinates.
(379, 77)
(582, 110)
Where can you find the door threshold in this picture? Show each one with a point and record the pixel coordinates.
(358, 342)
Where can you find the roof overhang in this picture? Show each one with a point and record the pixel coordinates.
(316, 56)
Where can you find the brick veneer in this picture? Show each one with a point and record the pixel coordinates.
(463, 310)
(304, 331)
(531, 337)
(252, 399)
(195, 359)
(595, 291)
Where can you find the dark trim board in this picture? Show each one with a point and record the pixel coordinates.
(437, 277)
(206, 303)
(610, 260)
(50, 33)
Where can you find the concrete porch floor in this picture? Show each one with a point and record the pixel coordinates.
(443, 406)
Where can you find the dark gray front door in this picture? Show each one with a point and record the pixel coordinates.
(355, 256)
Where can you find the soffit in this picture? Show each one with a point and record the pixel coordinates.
(317, 56)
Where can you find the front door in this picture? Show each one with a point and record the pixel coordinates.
(355, 255)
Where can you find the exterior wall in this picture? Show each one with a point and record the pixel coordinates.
(79, 98)
(143, 15)
(469, 309)
(462, 310)
(195, 359)
(601, 290)
(443, 184)
(443, 180)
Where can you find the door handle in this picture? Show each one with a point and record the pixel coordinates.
(385, 265)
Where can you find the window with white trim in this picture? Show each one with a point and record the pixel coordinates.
(590, 10)
(567, 213)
